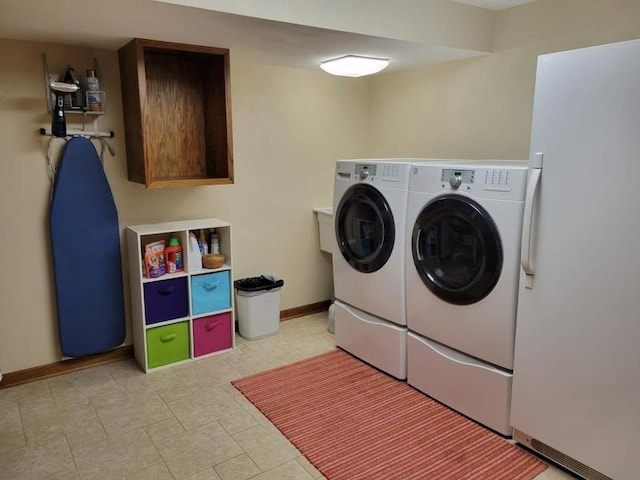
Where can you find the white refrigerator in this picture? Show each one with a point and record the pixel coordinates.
(576, 384)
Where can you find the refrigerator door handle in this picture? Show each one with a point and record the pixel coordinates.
(526, 258)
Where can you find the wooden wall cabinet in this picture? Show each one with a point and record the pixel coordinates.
(177, 114)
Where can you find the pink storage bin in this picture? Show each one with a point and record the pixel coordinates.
(212, 333)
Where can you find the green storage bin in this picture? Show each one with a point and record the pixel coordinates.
(167, 344)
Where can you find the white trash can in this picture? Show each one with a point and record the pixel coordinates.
(258, 306)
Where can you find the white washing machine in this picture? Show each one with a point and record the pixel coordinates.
(464, 223)
(369, 205)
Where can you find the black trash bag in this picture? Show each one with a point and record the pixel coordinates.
(254, 284)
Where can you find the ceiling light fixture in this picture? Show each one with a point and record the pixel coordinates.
(354, 65)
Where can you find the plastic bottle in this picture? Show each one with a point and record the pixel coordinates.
(93, 87)
(173, 256)
(194, 257)
(202, 243)
(214, 241)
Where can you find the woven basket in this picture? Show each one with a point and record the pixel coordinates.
(212, 260)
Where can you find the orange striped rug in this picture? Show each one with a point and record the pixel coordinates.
(353, 422)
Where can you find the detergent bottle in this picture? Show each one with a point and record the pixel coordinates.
(194, 257)
(202, 243)
(173, 256)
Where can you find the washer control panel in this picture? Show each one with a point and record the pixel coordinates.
(491, 180)
(364, 170)
(456, 177)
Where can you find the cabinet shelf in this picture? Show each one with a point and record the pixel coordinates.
(177, 111)
(166, 322)
(182, 316)
(202, 315)
(166, 276)
(85, 109)
(211, 270)
(91, 113)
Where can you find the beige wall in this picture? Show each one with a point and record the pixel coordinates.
(289, 126)
(481, 108)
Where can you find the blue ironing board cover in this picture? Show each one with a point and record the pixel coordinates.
(85, 245)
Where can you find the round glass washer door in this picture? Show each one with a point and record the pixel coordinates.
(456, 249)
(365, 229)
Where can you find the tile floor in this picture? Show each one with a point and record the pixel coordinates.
(187, 422)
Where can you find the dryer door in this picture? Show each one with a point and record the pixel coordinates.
(456, 249)
(365, 229)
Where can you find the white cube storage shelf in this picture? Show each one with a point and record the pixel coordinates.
(183, 316)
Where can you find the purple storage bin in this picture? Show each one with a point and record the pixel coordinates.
(165, 300)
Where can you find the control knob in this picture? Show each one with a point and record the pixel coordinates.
(455, 181)
(364, 174)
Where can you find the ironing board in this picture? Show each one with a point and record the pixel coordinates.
(85, 245)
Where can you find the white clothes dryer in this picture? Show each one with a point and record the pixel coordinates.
(369, 205)
(464, 223)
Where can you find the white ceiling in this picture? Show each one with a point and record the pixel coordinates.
(294, 33)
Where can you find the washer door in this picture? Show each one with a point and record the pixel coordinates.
(456, 249)
(365, 229)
